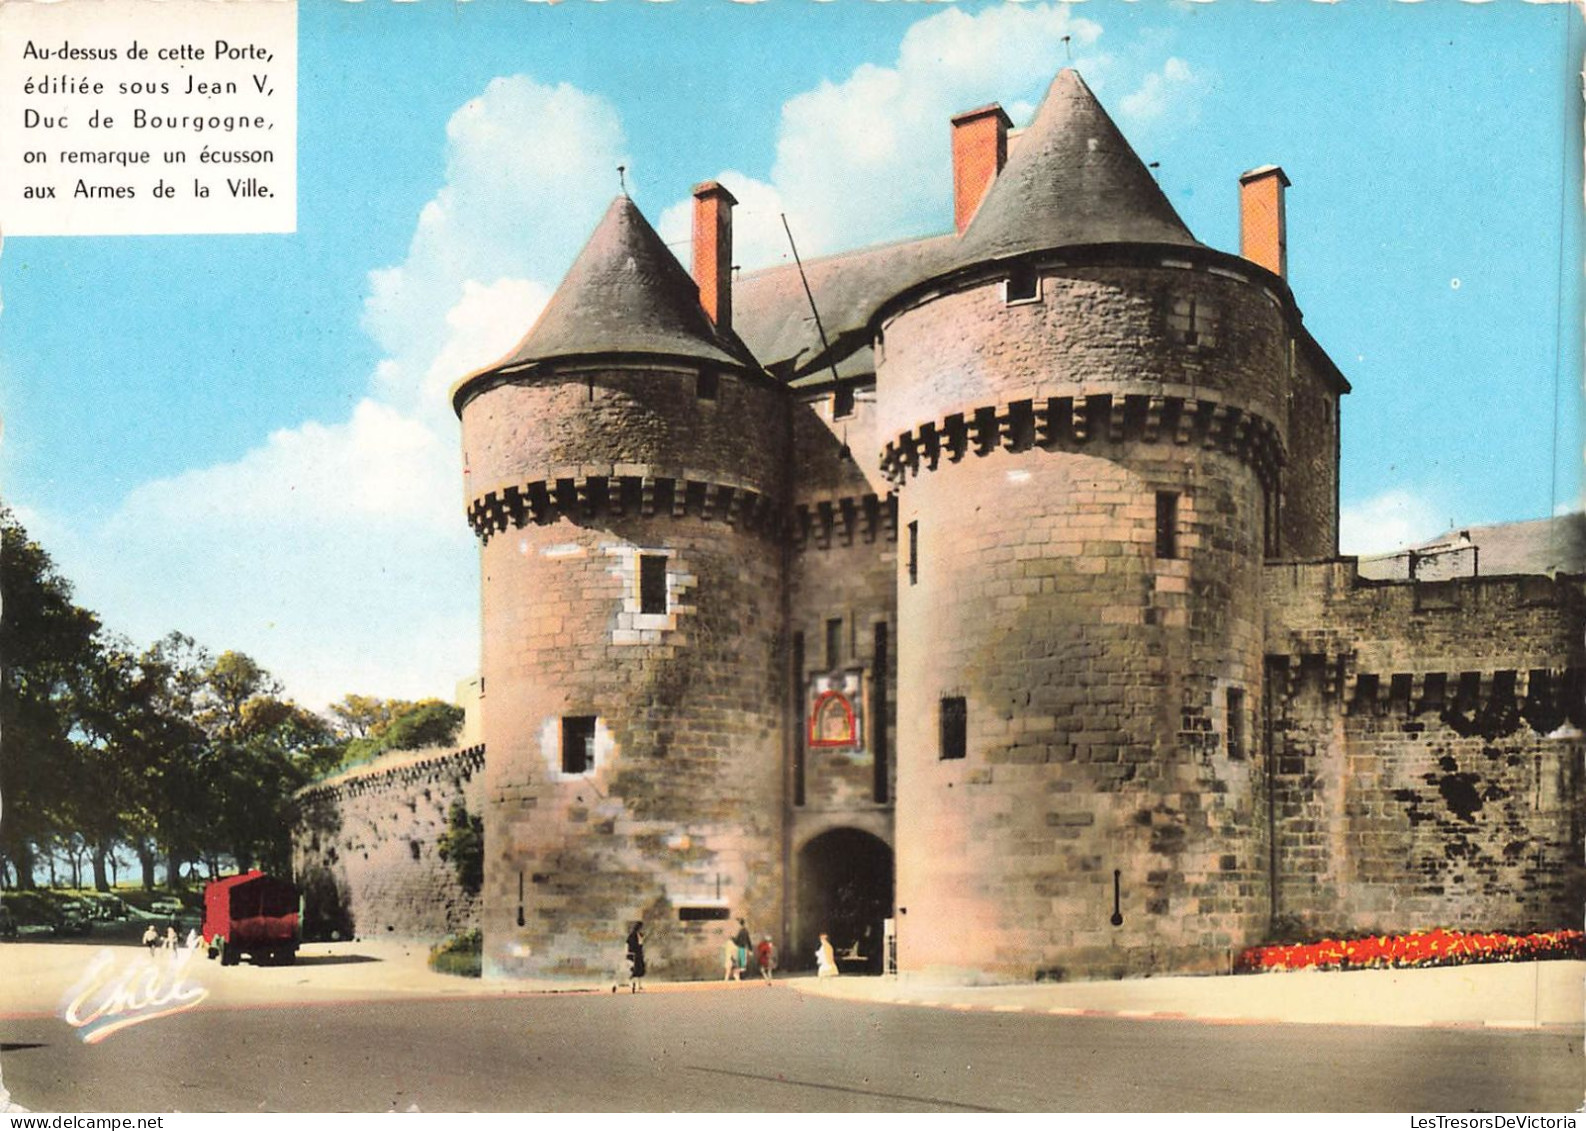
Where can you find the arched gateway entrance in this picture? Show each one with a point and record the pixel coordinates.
(844, 890)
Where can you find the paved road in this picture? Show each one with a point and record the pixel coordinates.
(756, 1049)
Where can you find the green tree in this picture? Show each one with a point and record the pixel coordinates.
(48, 644)
(371, 727)
(357, 715)
(277, 748)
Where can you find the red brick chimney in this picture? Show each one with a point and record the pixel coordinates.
(980, 147)
(713, 250)
(1263, 233)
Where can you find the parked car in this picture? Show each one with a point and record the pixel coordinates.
(107, 908)
(72, 918)
(166, 905)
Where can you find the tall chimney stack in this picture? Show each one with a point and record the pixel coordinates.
(713, 250)
(1263, 232)
(980, 148)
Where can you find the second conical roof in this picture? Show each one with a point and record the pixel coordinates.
(1071, 179)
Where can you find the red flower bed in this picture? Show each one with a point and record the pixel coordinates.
(1420, 948)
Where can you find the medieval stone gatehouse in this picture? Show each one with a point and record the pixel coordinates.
(1003, 601)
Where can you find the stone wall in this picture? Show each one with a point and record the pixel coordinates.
(1427, 745)
(842, 573)
(364, 850)
(1309, 514)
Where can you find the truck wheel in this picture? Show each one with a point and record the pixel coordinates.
(229, 955)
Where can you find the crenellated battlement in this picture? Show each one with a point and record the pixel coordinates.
(395, 771)
(590, 492)
(842, 521)
(1069, 423)
(1545, 696)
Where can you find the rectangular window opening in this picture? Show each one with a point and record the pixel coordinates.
(1192, 322)
(652, 583)
(1167, 524)
(954, 727)
(578, 744)
(707, 385)
(834, 642)
(1023, 285)
(1272, 543)
(1237, 737)
(914, 552)
(842, 401)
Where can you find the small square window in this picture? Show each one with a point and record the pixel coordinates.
(1192, 322)
(954, 727)
(1023, 285)
(842, 401)
(578, 744)
(652, 583)
(707, 385)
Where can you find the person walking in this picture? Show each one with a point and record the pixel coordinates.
(636, 953)
(765, 953)
(729, 961)
(743, 941)
(151, 938)
(825, 959)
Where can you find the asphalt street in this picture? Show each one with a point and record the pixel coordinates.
(752, 1048)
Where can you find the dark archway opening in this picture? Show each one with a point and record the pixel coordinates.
(844, 890)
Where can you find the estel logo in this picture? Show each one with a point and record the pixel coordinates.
(111, 998)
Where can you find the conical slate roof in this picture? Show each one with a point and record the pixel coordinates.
(1071, 179)
(625, 293)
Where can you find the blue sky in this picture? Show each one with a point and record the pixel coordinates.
(246, 437)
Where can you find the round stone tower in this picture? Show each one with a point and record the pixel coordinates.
(1086, 420)
(625, 477)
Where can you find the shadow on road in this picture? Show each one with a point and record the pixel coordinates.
(333, 959)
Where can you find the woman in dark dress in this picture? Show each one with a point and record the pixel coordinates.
(636, 953)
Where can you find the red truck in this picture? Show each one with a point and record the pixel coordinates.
(252, 914)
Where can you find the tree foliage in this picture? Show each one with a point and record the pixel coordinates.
(49, 646)
(177, 754)
(371, 727)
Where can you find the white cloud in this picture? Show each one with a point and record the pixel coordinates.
(530, 168)
(337, 553)
(483, 326)
(377, 465)
(1175, 89)
(867, 159)
(1388, 522)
